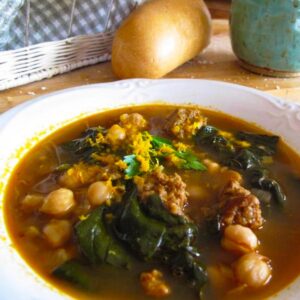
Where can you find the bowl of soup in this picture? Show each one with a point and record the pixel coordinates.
(145, 189)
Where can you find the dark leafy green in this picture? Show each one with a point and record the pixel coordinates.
(179, 231)
(150, 232)
(155, 209)
(97, 243)
(244, 159)
(179, 237)
(81, 149)
(143, 234)
(259, 179)
(213, 225)
(208, 136)
(76, 273)
(153, 232)
(262, 144)
(247, 160)
(187, 261)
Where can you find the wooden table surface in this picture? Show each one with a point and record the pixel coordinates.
(216, 63)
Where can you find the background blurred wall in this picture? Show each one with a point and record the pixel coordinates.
(219, 8)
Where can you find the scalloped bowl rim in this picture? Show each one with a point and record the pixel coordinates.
(52, 111)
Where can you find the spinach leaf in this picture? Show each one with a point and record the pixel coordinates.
(154, 208)
(257, 176)
(133, 166)
(246, 160)
(213, 225)
(259, 179)
(262, 144)
(209, 137)
(187, 261)
(97, 243)
(81, 149)
(156, 233)
(179, 231)
(86, 232)
(143, 234)
(149, 230)
(179, 237)
(76, 273)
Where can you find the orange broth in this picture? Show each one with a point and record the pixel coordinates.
(279, 237)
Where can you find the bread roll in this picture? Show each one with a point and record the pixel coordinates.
(159, 36)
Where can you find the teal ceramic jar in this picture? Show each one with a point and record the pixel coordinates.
(265, 35)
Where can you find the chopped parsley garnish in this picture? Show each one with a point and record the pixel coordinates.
(160, 149)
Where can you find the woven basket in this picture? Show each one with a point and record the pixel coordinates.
(58, 36)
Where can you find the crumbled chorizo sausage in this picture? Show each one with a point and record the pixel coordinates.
(239, 206)
(170, 188)
(132, 123)
(185, 122)
(153, 284)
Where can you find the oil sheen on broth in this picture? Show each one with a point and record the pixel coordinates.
(213, 195)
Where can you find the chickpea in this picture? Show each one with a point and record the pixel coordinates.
(99, 192)
(197, 192)
(253, 270)
(79, 175)
(212, 167)
(239, 239)
(221, 276)
(32, 232)
(116, 134)
(32, 202)
(58, 257)
(58, 202)
(57, 232)
(70, 181)
(224, 173)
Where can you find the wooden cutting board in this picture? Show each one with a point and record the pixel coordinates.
(217, 63)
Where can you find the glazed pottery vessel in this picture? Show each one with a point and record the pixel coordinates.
(265, 35)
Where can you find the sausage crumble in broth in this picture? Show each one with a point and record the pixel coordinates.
(170, 202)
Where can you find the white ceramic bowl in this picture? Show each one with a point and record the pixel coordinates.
(22, 127)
